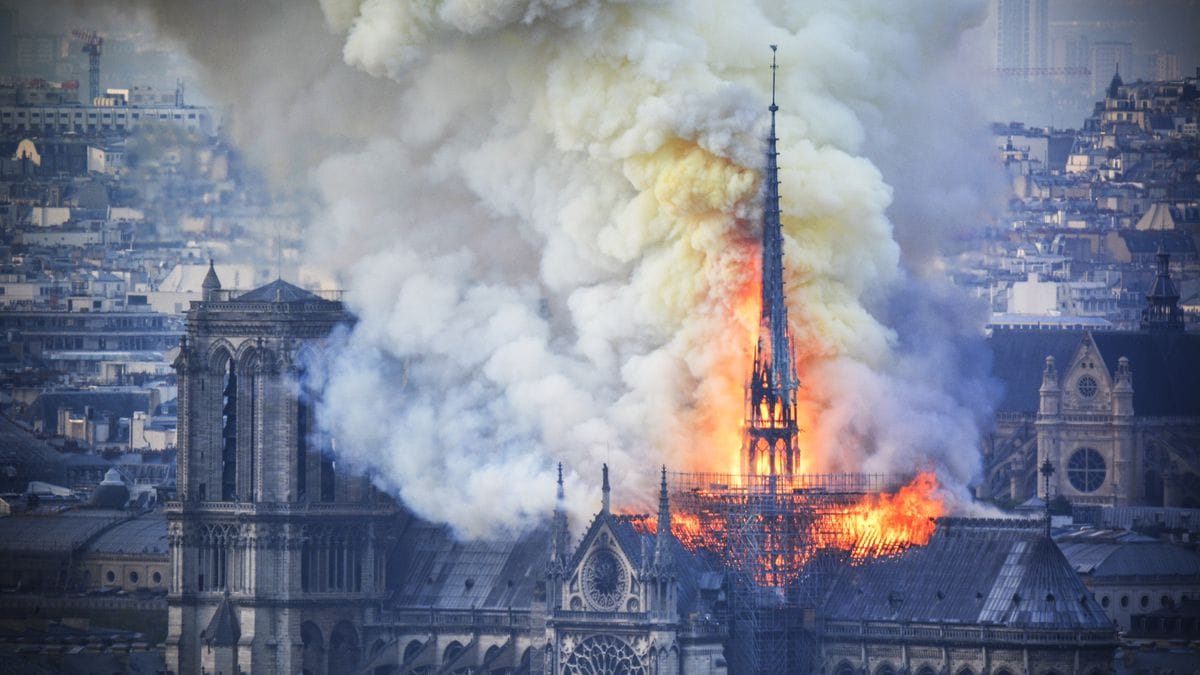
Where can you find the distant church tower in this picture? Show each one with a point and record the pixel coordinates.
(770, 447)
(1162, 312)
(277, 558)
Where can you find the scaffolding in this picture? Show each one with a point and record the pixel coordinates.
(779, 539)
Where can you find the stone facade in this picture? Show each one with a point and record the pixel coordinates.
(1116, 413)
(276, 558)
(1111, 411)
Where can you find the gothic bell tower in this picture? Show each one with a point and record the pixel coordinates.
(277, 557)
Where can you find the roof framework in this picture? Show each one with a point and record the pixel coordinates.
(775, 537)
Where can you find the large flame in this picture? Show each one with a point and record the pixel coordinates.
(886, 523)
(809, 525)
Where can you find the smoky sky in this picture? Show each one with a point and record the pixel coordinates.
(544, 213)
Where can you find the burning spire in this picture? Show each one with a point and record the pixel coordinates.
(770, 438)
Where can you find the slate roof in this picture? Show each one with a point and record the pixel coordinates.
(143, 535)
(278, 291)
(973, 571)
(1102, 554)
(223, 630)
(1164, 365)
(1146, 242)
(57, 533)
(19, 447)
(1018, 357)
(434, 570)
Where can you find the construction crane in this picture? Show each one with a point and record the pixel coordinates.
(91, 46)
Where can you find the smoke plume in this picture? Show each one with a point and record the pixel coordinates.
(545, 213)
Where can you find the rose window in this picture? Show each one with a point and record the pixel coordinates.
(602, 655)
(1087, 386)
(604, 580)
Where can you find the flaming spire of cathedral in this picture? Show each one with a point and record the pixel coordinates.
(770, 441)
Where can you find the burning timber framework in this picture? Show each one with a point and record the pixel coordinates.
(780, 539)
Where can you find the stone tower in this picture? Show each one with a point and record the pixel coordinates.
(277, 557)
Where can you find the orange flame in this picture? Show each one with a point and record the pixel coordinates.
(884, 524)
(872, 526)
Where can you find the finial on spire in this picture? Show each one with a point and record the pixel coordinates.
(211, 283)
(774, 67)
(606, 501)
(664, 505)
(560, 482)
(1047, 470)
(662, 551)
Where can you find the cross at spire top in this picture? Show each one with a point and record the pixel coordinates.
(774, 67)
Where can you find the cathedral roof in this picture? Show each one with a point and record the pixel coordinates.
(433, 569)
(973, 571)
(1163, 366)
(278, 291)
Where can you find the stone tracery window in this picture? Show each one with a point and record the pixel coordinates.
(1087, 386)
(605, 580)
(1086, 470)
(600, 654)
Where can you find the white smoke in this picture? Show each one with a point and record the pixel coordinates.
(545, 215)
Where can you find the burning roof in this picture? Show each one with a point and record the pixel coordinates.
(973, 571)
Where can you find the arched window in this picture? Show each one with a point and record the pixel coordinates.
(1086, 470)
(411, 650)
(965, 670)
(885, 669)
(343, 648)
(452, 650)
(314, 647)
(229, 396)
(843, 668)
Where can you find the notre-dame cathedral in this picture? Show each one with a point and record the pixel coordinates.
(283, 564)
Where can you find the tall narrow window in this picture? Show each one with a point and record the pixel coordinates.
(229, 436)
(302, 413)
(252, 390)
(327, 469)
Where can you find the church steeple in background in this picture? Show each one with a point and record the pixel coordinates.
(771, 429)
(1162, 310)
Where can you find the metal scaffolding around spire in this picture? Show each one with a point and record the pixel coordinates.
(770, 446)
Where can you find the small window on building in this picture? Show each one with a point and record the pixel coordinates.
(133, 577)
(1124, 601)
(1104, 602)
(1087, 386)
(156, 577)
(110, 576)
(1145, 601)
